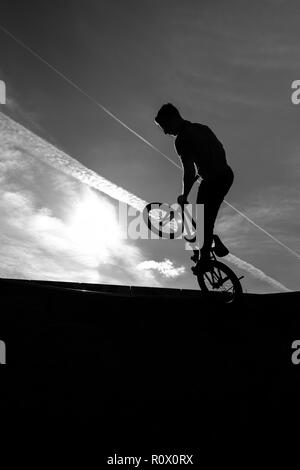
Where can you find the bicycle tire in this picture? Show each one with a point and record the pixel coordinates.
(159, 231)
(217, 265)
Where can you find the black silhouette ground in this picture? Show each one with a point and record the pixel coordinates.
(149, 366)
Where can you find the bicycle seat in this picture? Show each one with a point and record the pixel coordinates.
(219, 248)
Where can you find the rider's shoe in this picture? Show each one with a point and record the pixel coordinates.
(219, 248)
(201, 266)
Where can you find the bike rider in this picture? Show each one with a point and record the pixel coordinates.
(201, 154)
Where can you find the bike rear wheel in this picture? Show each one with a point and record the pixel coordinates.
(220, 278)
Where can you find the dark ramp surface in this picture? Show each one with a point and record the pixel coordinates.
(150, 365)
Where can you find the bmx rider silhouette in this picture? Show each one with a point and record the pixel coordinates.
(202, 155)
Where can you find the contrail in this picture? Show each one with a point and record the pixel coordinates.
(89, 97)
(122, 123)
(255, 272)
(293, 252)
(14, 134)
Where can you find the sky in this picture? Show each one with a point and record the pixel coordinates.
(65, 163)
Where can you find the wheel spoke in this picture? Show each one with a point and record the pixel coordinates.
(219, 278)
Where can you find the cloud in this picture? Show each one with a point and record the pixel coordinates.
(87, 247)
(15, 134)
(267, 52)
(256, 273)
(274, 209)
(19, 112)
(166, 268)
(56, 227)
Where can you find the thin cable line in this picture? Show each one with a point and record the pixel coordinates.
(263, 230)
(78, 88)
(109, 113)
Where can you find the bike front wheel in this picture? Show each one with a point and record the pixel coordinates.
(220, 278)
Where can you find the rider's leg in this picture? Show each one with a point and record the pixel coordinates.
(208, 195)
(210, 213)
(214, 196)
(211, 209)
(201, 197)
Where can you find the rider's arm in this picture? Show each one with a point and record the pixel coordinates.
(189, 177)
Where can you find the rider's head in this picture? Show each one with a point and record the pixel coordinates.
(169, 119)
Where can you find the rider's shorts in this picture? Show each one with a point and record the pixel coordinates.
(215, 189)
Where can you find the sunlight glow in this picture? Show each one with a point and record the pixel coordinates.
(94, 227)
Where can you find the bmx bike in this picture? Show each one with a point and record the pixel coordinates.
(217, 277)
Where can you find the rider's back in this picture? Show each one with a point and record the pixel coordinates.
(198, 143)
